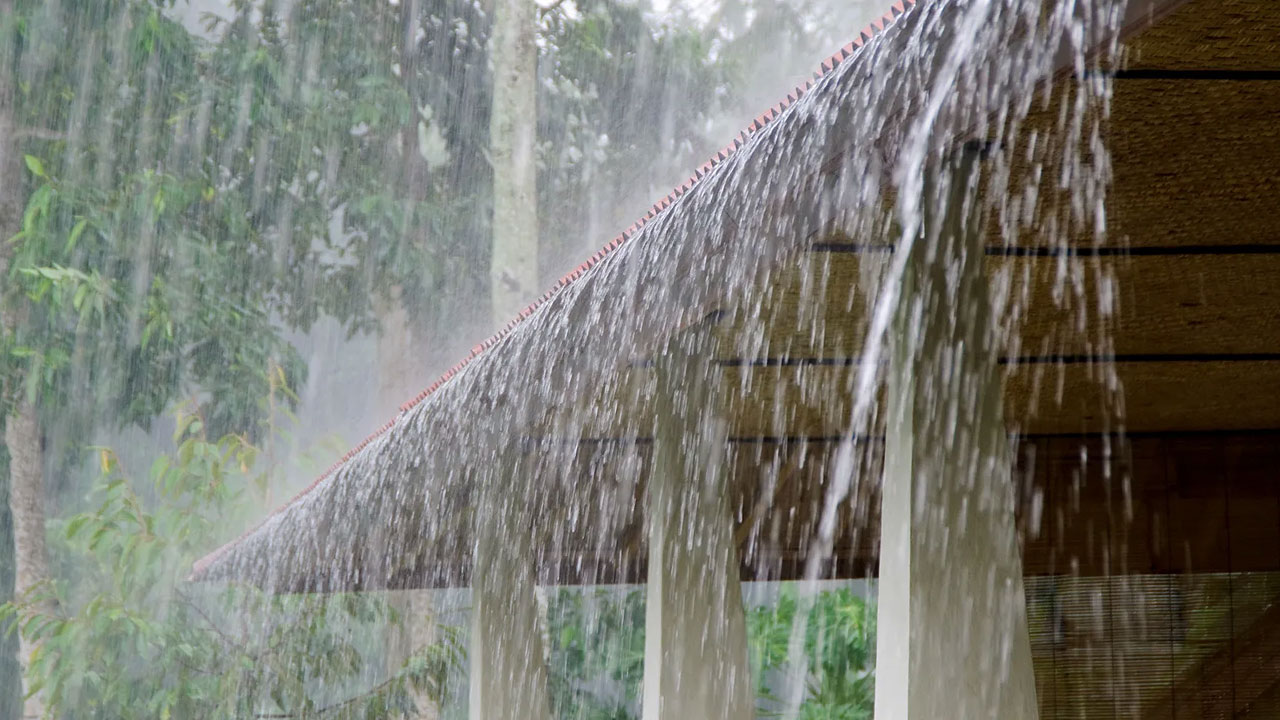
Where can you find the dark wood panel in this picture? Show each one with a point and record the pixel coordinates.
(1187, 395)
(1145, 305)
(1138, 305)
(1251, 472)
(1198, 511)
(1043, 398)
(1087, 507)
(1193, 163)
(1211, 34)
(1184, 394)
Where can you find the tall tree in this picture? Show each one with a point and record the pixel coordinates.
(625, 101)
(103, 312)
(513, 57)
(221, 192)
(198, 198)
(22, 435)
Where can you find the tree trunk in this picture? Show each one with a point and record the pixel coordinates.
(22, 430)
(513, 55)
(26, 500)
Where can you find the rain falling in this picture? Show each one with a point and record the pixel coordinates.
(652, 359)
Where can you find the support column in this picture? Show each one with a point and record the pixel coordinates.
(695, 655)
(508, 668)
(952, 639)
(415, 631)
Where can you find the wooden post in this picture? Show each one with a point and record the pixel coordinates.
(952, 639)
(695, 655)
(508, 668)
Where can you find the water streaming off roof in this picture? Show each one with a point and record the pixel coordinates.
(980, 325)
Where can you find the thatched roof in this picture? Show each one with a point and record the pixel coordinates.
(766, 244)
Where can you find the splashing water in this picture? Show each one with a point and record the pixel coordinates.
(548, 436)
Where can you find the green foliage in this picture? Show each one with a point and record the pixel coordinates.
(597, 644)
(131, 639)
(599, 56)
(188, 201)
(209, 194)
(137, 276)
(597, 653)
(123, 327)
(312, 159)
(838, 647)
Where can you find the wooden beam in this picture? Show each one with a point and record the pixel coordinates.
(1204, 299)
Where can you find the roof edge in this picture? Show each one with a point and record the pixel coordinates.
(876, 27)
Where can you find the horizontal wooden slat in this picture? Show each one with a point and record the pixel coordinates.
(1193, 163)
(1166, 304)
(1145, 305)
(1196, 162)
(1211, 34)
(1048, 398)
(1087, 507)
(1145, 396)
(1152, 395)
(811, 307)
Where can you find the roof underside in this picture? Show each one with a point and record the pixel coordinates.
(1190, 261)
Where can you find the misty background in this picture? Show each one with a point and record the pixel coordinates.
(756, 51)
(275, 218)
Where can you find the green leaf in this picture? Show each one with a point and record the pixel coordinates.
(159, 468)
(75, 234)
(34, 165)
(81, 292)
(76, 525)
(37, 206)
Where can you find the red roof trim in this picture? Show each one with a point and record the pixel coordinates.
(829, 64)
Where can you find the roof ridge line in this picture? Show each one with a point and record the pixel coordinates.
(876, 27)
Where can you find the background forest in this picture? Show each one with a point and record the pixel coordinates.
(235, 237)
